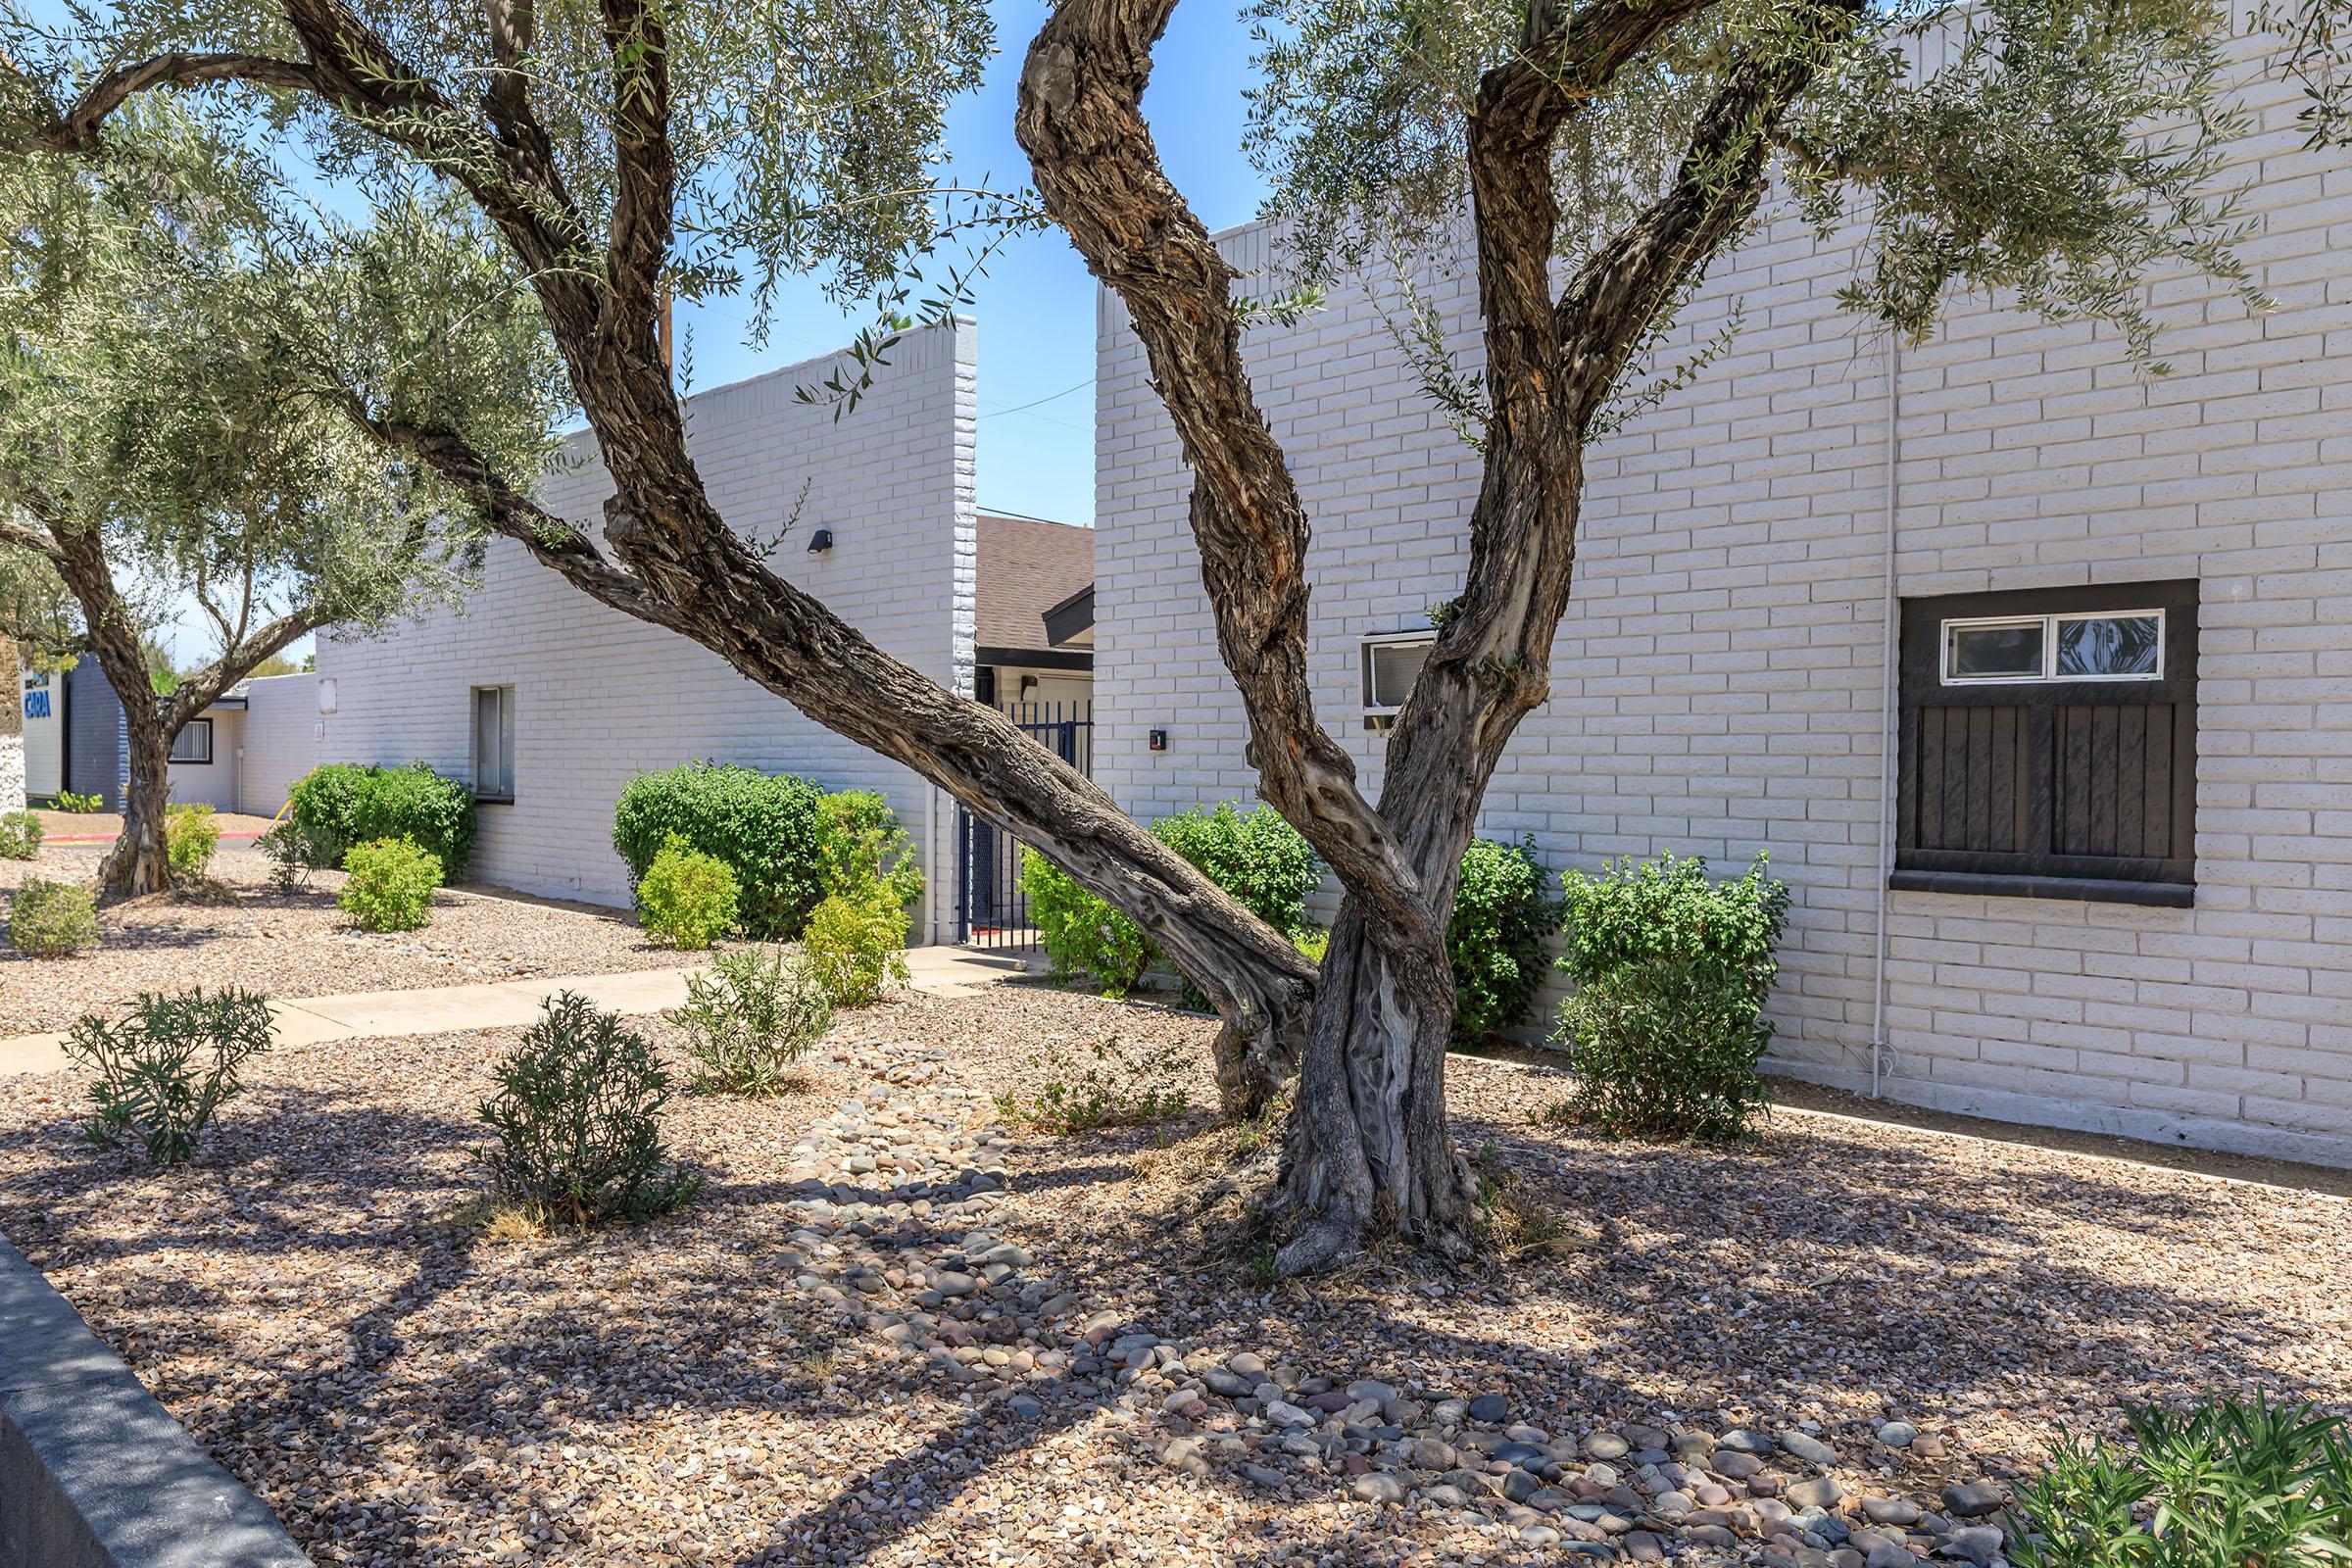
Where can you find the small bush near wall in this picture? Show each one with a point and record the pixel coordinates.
(1672, 971)
(1497, 942)
(78, 804)
(2225, 1485)
(338, 804)
(577, 1119)
(1082, 934)
(19, 836)
(389, 885)
(853, 944)
(859, 842)
(50, 919)
(167, 1064)
(767, 828)
(687, 898)
(190, 836)
(749, 1020)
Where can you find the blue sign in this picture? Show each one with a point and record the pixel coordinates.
(36, 704)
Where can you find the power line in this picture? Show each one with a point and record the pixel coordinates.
(1040, 402)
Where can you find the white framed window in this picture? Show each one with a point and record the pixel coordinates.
(194, 742)
(1392, 662)
(2089, 645)
(494, 743)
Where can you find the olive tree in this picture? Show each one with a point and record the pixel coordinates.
(1593, 159)
(176, 350)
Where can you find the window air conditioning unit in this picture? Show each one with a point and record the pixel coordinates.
(1392, 662)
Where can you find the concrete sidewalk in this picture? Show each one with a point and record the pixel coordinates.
(511, 1004)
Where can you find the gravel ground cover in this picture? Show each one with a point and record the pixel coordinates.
(894, 1330)
(243, 931)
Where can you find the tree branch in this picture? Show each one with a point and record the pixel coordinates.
(645, 174)
(1097, 171)
(77, 128)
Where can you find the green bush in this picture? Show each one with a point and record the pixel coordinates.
(755, 1013)
(1672, 971)
(19, 836)
(1081, 933)
(167, 1064)
(859, 842)
(78, 804)
(389, 885)
(769, 829)
(1254, 856)
(295, 852)
(2229, 1484)
(190, 836)
(1496, 941)
(577, 1118)
(338, 804)
(49, 919)
(853, 943)
(686, 898)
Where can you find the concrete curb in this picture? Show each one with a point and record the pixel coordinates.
(93, 1472)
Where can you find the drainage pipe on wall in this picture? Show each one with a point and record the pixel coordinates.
(1888, 740)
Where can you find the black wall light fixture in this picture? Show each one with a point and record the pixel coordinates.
(820, 541)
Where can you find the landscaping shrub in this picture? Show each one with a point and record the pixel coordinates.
(2230, 1483)
(339, 805)
(1108, 1088)
(389, 886)
(686, 898)
(859, 842)
(769, 830)
(578, 1115)
(49, 919)
(190, 836)
(1672, 971)
(1501, 918)
(78, 804)
(19, 836)
(853, 943)
(295, 852)
(750, 1018)
(1081, 933)
(167, 1064)
(1254, 856)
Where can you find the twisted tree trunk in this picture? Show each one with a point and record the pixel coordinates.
(139, 862)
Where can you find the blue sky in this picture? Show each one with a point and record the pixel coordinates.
(1036, 308)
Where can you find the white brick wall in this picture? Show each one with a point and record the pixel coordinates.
(280, 740)
(601, 698)
(11, 772)
(1717, 685)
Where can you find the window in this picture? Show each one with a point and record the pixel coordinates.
(494, 743)
(2049, 744)
(194, 742)
(1392, 664)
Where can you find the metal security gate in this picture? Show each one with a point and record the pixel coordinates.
(990, 909)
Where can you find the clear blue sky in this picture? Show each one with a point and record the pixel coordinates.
(1036, 308)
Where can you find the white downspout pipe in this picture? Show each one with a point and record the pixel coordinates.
(1888, 740)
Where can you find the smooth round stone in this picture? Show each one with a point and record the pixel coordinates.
(1818, 1491)
(1737, 1466)
(1378, 1486)
(1746, 1442)
(1242, 1364)
(1523, 1453)
(1490, 1408)
(1606, 1445)
(951, 1284)
(1897, 1434)
(1808, 1448)
(1891, 1511)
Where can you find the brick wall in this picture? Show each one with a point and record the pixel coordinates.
(280, 740)
(601, 698)
(1719, 683)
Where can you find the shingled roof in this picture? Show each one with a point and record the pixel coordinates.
(1026, 569)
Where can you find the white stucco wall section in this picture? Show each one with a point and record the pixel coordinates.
(600, 697)
(1717, 685)
(280, 740)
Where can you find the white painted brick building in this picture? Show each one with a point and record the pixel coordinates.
(1721, 684)
(598, 697)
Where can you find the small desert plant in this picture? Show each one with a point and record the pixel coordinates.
(2229, 1484)
(295, 851)
(686, 898)
(19, 836)
(1672, 970)
(49, 919)
(1104, 1087)
(77, 804)
(750, 1018)
(578, 1115)
(190, 836)
(853, 944)
(167, 1064)
(1313, 943)
(390, 885)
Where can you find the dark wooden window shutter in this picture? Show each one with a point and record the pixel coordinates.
(2076, 789)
